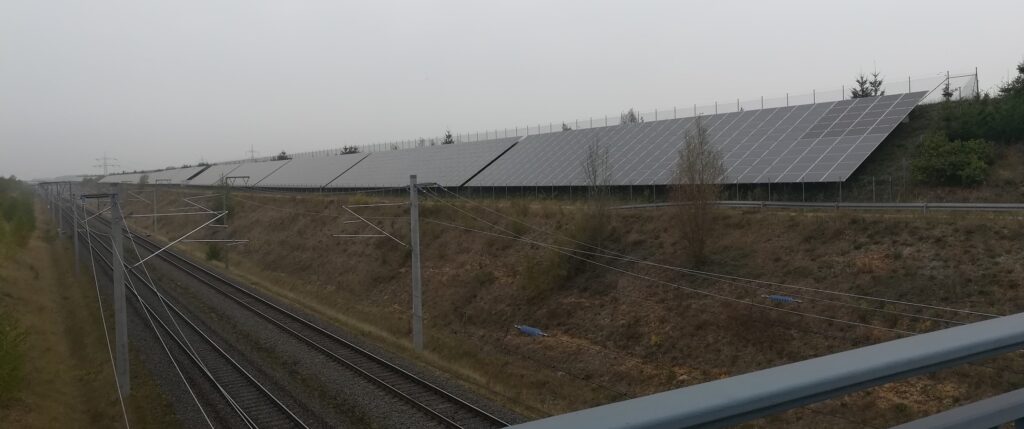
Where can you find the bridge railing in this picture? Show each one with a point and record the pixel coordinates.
(738, 399)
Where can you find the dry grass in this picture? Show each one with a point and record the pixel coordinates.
(614, 332)
(69, 382)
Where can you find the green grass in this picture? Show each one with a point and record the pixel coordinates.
(12, 358)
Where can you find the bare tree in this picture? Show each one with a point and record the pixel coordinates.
(699, 174)
(448, 139)
(592, 226)
(596, 170)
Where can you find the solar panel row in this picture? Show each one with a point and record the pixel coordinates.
(822, 142)
(806, 143)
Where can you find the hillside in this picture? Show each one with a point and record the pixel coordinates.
(614, 334)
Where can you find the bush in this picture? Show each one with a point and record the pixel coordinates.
(940, 161)
(214, 252)
(17, 218)
(996, 119)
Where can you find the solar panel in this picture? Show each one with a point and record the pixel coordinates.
(252, 172)
(122, 178)
(310, 172)
(805, 143)
(174, 176)
(212, 175)
(447, 165)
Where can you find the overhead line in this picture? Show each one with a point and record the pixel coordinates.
(692, 271)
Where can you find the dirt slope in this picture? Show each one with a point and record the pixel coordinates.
(617, 335)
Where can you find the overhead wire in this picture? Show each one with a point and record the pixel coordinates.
(717, 275)
(103, 320)
(159, 337)
(666, 283)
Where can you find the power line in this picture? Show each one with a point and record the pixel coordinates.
(723, 276)
(105, 163)
(658, 281)
(103, 320)
(155, 330)
(566, 249)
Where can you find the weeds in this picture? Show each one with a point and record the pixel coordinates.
(12, 357)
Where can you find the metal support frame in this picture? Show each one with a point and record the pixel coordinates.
(414, 240)
(74, 233)
(120, 313)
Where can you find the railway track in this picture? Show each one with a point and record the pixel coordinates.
(251, 403)
(430, 399)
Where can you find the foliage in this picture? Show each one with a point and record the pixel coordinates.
(12, 357)
(448, 139)
(999, 119)
(699, 173)
(282, 156)
(947, 92)
(17, 218)
(940, 161)
(349, 150)
(1014, 87)
(566, 127)
(214, 252)
(629, 117)
(868, 87)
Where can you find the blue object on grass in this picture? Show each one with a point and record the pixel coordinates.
(530, 331)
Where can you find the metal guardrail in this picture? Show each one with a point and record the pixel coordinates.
(987, 413)
(924, 207)
(741, 398)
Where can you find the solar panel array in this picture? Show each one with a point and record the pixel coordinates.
(250, 173)
(212, 175)
(822, 142)
(174, 176)
(122, 178)
(807, 143)
(310, 172)
(447, 165)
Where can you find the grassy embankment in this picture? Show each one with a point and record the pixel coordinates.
(54, 366)
(616, 335)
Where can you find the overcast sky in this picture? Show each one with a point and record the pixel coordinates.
(158, 83)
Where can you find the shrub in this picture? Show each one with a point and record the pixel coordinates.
(940, 161)
(214, 252)
(995, 119)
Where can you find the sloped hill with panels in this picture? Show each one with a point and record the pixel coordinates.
(212, 175)
(250, 173)
(822, 142)
(447, 165)
(122, 178)
(174, 176)
(311, 172)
